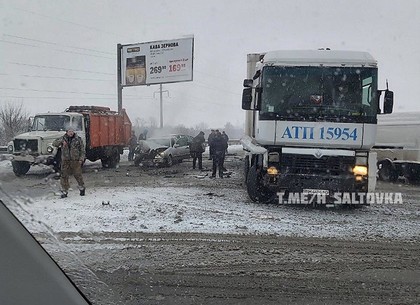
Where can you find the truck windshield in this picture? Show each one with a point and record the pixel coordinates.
(51, 122)
(345, 94)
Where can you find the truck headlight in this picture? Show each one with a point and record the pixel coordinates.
(10, 148)
(360, 170)
(272, 171)
(50, 149)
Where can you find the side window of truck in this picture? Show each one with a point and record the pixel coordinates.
(39, 124)
(77, 123)
(367, 91)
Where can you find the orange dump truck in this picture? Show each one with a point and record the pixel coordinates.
(104, 132)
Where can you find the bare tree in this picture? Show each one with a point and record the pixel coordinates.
(13, 120)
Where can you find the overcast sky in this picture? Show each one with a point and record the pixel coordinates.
(60, 53)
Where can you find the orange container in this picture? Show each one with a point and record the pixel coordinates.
(106, 127)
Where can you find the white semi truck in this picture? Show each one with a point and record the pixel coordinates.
(398, 147)
(311, 122)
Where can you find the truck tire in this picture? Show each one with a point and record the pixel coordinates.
(20, 168)
(111, 161)
(114, 160)
(387, 171)
(256, 191)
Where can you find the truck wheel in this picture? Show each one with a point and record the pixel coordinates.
(114, 160)
(387, 171)
(256, 191)
(20, 168)
(111, 161)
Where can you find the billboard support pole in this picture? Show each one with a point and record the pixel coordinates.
(119, 80)
(161, 106)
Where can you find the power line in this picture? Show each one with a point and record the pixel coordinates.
(73, 98)
(214, 88)
(55, 91)
(60, 68)
(54, 43)
(64, 21)
(60, 77)
(69, 92)
(214, 76)
(64, 51)
(207, 101)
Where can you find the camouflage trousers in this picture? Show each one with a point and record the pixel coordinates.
(71, 168)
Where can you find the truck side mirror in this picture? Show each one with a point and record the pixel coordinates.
(388, 101)
(248, 83)
(247, 98)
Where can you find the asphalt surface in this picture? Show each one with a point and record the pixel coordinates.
(140, 267)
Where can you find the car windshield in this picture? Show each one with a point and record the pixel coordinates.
(314, 93)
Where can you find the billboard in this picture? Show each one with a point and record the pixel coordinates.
(157, 62)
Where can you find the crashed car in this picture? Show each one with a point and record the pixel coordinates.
(162, 151)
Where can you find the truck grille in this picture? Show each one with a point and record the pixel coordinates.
(307, 164)
(26, 145)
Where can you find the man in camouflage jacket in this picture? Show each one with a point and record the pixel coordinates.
(72, 158)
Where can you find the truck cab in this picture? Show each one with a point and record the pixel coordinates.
(311, 122)
(104, 132)
(35, 146)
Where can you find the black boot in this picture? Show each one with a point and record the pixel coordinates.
(63, 194)
(82, 192)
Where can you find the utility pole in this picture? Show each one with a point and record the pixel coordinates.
(161, 102)
(119, 80)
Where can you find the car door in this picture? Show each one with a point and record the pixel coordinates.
(183, 147)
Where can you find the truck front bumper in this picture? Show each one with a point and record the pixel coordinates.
(42, 159)
(298, 183)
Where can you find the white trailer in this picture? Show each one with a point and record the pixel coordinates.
(311, 122)
(398, 146)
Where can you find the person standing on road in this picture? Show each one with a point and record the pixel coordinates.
(218, 153)
(197, 148)
(72, 157)
(210, 142)
(225, 142)
(132, 144)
